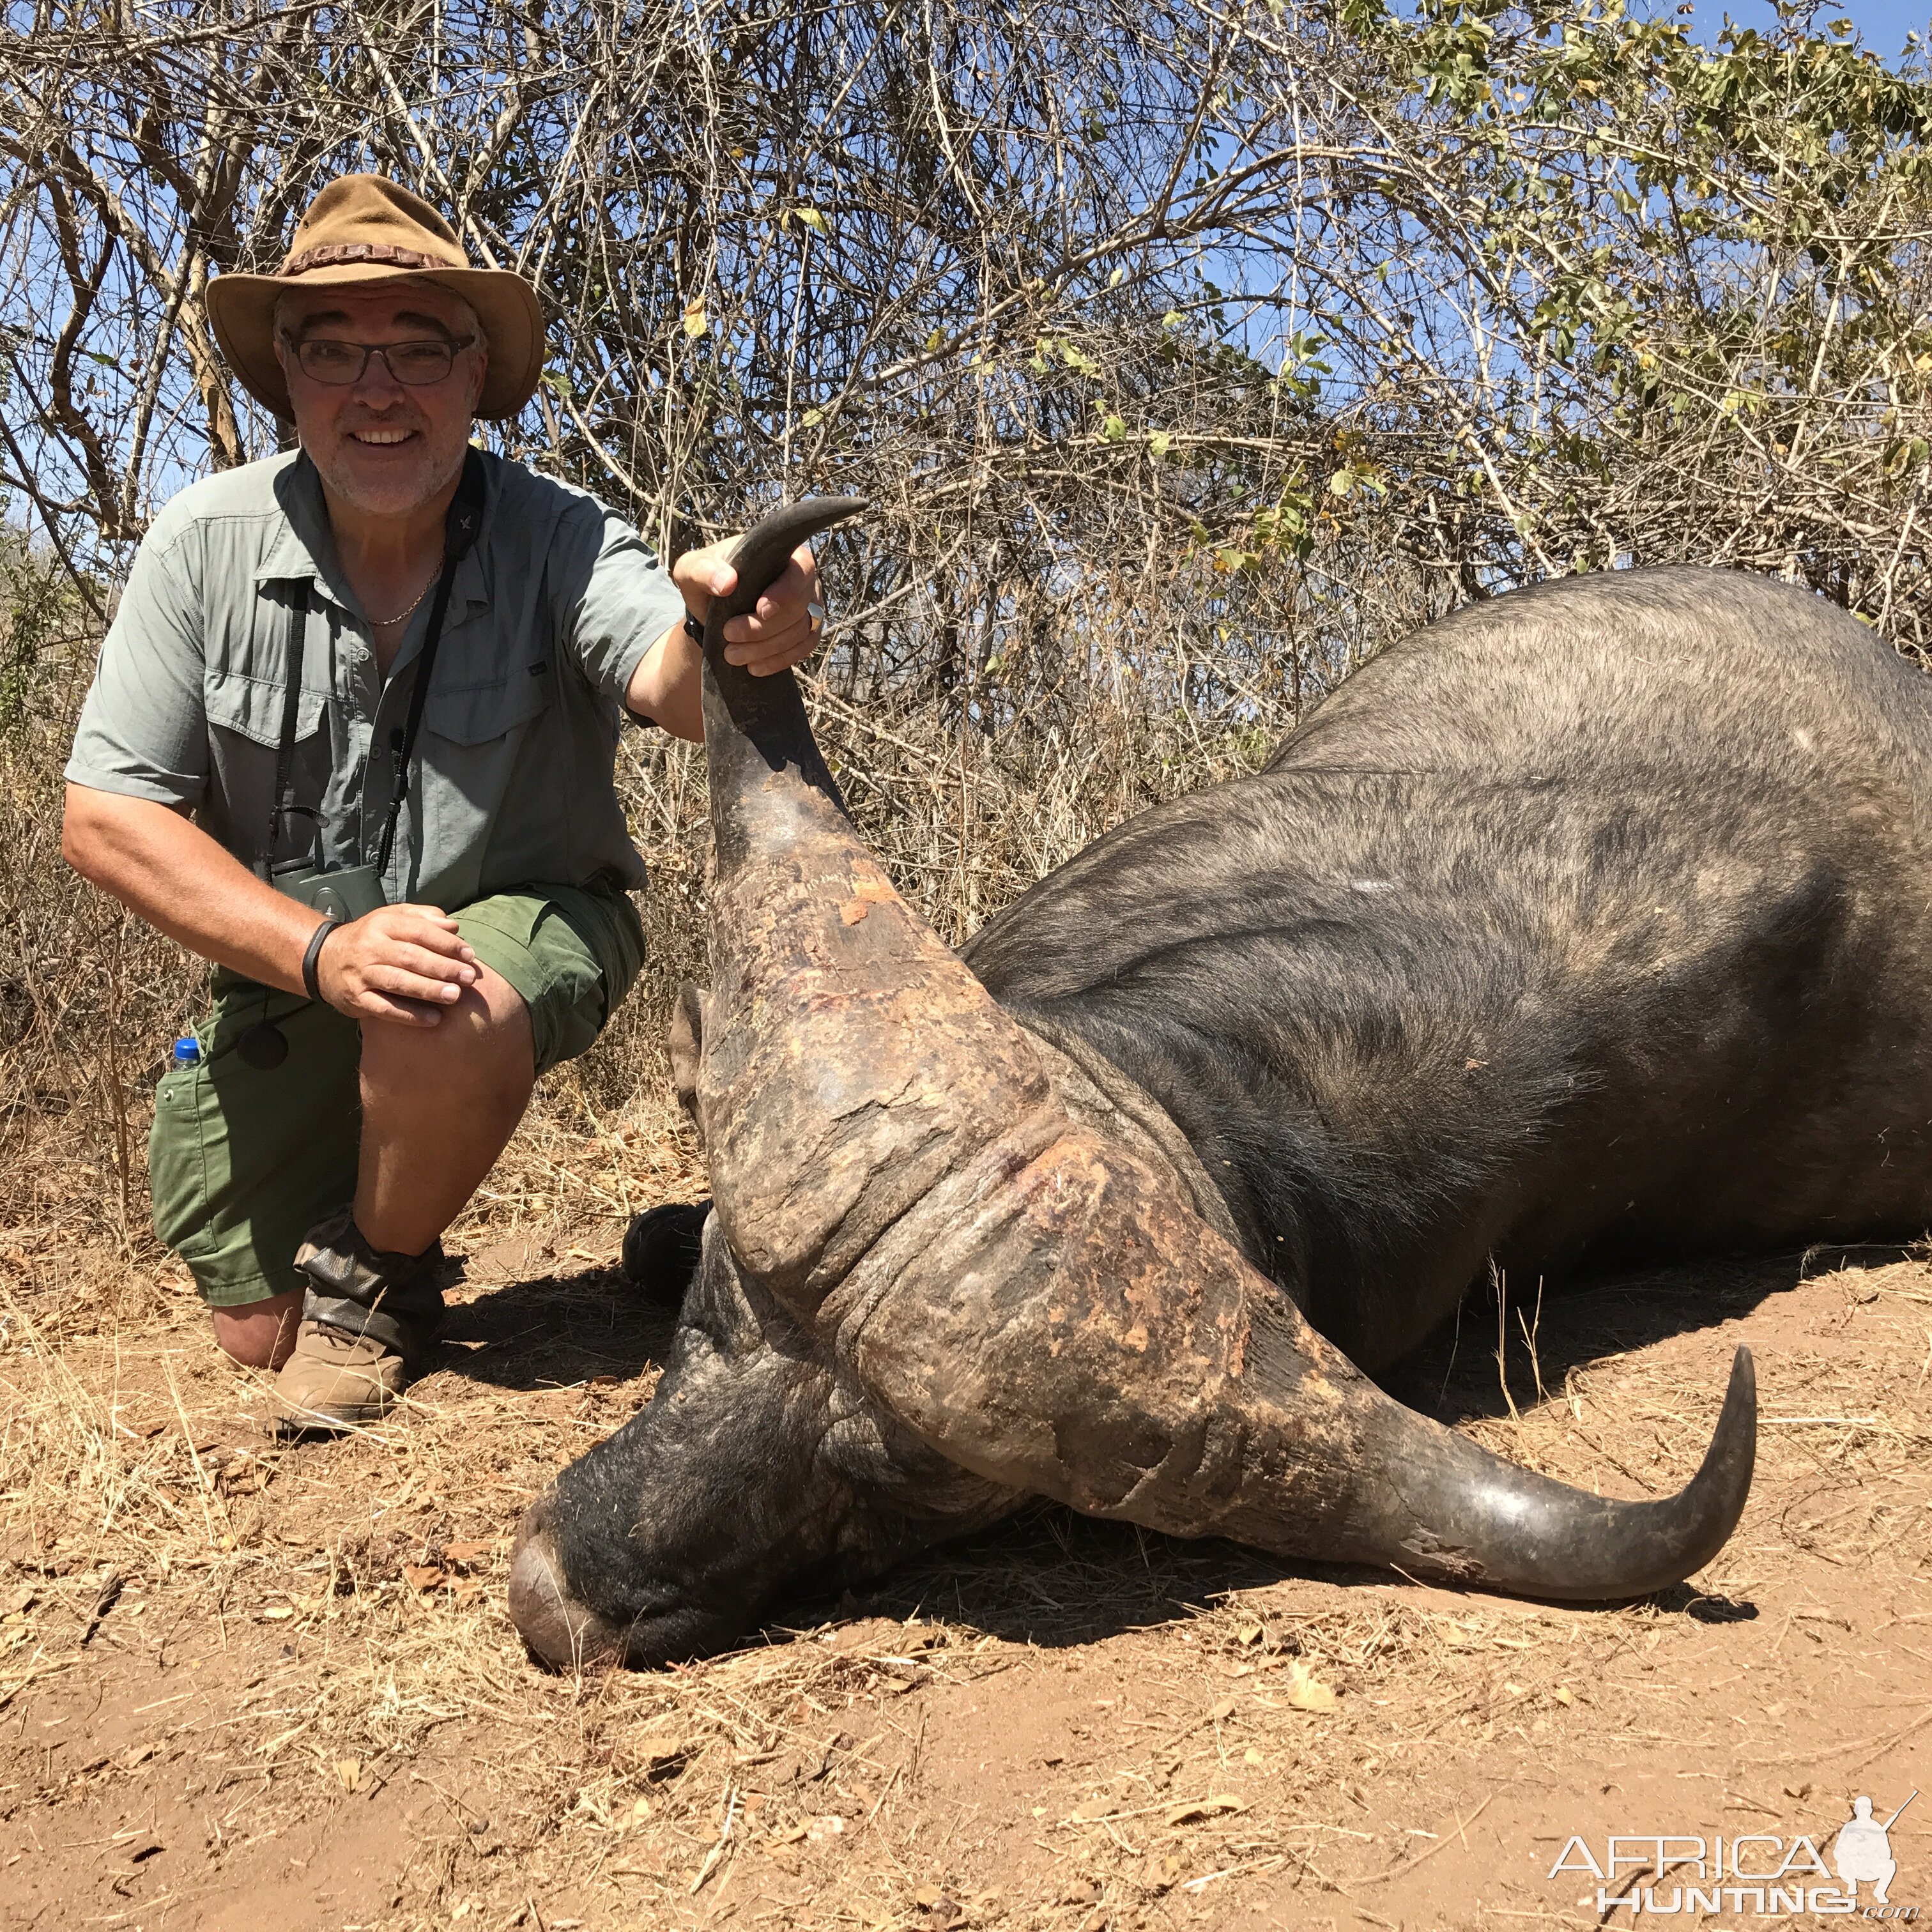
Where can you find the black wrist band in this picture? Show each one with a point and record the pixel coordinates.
(694, 628)
(312, 958)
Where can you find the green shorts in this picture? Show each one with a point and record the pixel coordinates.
(243, 1162)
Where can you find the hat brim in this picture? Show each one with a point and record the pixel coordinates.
(241, 311)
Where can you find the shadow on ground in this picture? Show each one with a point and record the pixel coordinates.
(1454, 1376)
(554, 1330)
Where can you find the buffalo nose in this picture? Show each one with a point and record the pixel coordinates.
(560, 1631)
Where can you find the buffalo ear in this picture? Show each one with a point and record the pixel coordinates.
(684, 1040)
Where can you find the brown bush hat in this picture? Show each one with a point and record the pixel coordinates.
(363, 228)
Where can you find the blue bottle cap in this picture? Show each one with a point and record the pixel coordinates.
(188, 1050)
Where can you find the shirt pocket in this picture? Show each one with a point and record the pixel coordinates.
(245, 734)
(252, 708)
(474, 738)
(473, 715)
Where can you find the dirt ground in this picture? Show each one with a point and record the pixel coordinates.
(243, 1685)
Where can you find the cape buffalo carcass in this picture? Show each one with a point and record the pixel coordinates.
(1596, 917)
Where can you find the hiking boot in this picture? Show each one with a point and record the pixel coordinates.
(332, 1380)
(368, 1318)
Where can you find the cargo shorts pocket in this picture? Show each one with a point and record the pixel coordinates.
(177, 1161)
(243, 1161)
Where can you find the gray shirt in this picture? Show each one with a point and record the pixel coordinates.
(549, 615)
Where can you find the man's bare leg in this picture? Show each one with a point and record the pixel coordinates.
(438, 1105)
(259, 1334)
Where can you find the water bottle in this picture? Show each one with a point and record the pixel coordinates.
(188, 1050)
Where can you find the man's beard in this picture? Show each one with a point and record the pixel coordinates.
(436, 460)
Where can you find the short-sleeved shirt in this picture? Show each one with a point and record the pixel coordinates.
(549, 615)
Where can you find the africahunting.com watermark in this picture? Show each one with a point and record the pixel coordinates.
(1753, 1874)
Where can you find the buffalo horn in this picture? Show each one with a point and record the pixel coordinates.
(1037, 1302)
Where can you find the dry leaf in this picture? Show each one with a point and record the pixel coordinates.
(640, 1864)
(1205, 1808)
(348, 1773)
(422, 1576)
(695, 320)
(928, 1894)
(465, 1553)
(276, 1612)
(139, 1755)
(1562, 1694)
(1306, 1691)
(660, 1748)
(1252, 1633)
(1223, 1711)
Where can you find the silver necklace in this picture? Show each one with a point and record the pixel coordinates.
(385, 623)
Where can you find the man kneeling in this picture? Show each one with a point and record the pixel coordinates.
(352, 739)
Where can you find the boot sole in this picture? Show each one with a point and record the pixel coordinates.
(292, 1419)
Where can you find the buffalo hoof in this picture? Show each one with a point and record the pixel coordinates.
(560, 1632)
(661, 1247)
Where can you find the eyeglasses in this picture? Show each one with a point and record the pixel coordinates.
(414, 364)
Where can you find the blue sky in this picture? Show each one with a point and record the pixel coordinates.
(1882, 25)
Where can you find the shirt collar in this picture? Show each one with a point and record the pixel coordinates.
(304, 547)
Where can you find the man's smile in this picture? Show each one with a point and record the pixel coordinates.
(375, 437)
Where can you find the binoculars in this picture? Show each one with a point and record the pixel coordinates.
(346, 893)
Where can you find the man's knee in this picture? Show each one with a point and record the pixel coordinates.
(483, 1040)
